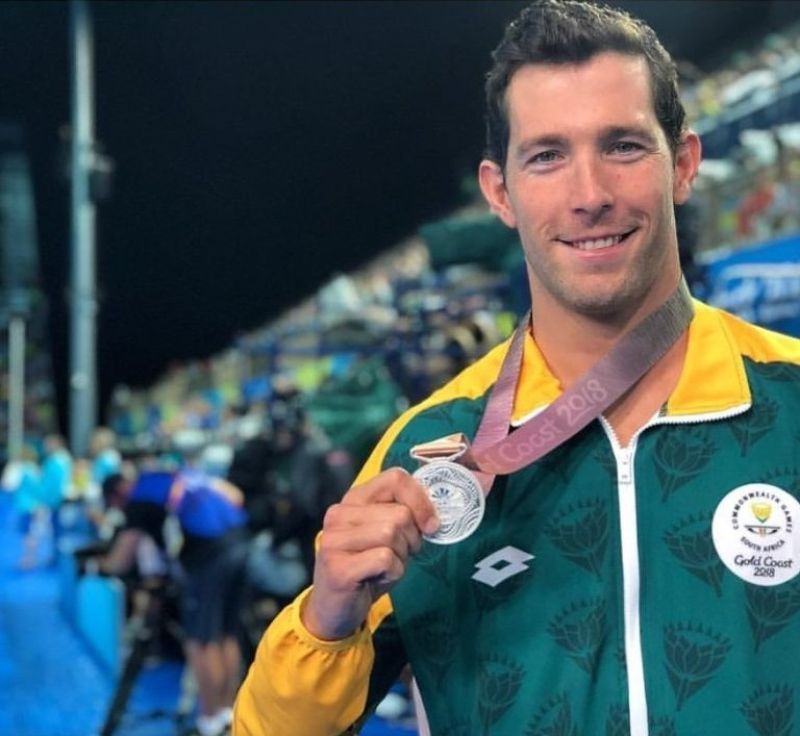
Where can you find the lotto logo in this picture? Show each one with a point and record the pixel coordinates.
(501, 565)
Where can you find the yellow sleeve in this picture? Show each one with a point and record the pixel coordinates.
(299, 684)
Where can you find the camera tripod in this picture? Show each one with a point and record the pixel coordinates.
(147, 623)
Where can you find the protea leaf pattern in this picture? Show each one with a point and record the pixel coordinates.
(432, 559)
(786, 478)
(580, 629)
(664, 726)
(618, 721)
(580, 531)
(459, 728)
(693, 654)
(435, 634)
(680, 456)
(770, 710)
(604, 457)
(691, 543)
(770, 609)
(755, 423)
(442, 413)
(553, 719)
(785, 372)
(499, 680)
(559, 462)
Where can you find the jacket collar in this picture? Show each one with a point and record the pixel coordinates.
(713, 380)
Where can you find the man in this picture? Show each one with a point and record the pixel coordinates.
(212, 559)
(136, 513)
(594, 597)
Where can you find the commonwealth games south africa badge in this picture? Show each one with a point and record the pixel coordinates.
(756, 534)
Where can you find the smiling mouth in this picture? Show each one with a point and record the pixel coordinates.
(607, 241)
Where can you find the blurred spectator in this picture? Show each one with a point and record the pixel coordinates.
(687, 224)
(21, 477)
(54, 484)
(106, 459)
(755, 206)
(248, 472)
(785, 209)
(213, 557)
(304, 476)
(133, 547)
(56, 471)
(135, 517)
(82, 486)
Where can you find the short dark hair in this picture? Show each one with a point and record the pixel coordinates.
(572, 32)
(112, 488)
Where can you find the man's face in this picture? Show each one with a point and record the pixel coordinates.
(590, 185)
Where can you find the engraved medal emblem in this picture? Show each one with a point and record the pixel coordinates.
(457, 496)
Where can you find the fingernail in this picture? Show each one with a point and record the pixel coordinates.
(431, 525)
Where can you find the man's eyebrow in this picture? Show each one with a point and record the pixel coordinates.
(616, 132)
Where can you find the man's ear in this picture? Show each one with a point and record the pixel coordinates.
(687, 161)
(493, 186)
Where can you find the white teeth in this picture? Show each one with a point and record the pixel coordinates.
(597, 244)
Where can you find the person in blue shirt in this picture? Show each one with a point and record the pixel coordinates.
(21, 478)
(213, 558)
(54, 484)
(138, 549)
(56, 472)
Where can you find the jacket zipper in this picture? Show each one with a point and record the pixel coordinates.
(629, 543)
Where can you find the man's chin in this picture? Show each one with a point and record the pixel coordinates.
(602, 304)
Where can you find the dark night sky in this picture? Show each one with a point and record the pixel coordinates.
(262, 147)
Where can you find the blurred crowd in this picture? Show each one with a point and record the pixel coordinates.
(357, 353)
(209, 545)
(747, 113)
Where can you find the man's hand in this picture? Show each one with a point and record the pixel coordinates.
(366, 543)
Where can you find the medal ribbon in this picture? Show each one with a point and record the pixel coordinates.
(496, 452)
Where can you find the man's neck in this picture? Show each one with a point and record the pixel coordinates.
(572, 343)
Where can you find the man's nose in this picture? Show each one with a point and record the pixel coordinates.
(591, 193)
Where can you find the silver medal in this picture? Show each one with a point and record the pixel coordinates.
(457, 496)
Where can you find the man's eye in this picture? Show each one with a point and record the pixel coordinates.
(626, 147)
(544, 157)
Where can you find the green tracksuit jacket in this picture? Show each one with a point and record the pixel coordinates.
(609, 591)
